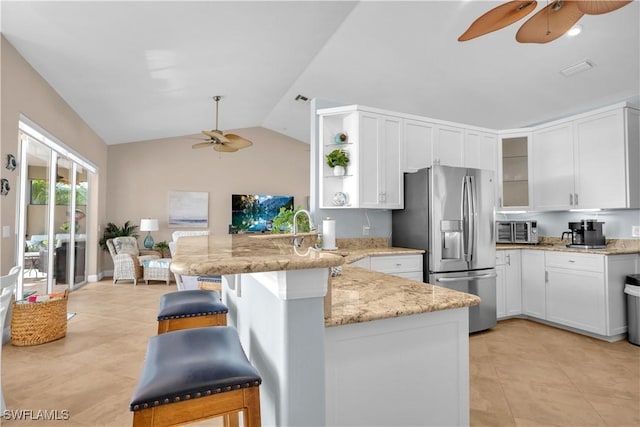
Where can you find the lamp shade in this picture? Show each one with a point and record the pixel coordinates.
(148, 224)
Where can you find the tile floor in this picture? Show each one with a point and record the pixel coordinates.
(522, 373)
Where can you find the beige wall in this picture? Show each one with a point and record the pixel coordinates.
(24, 91)
(142, 173)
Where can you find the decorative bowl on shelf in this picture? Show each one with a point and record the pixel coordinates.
(341, 138)
(340, 198)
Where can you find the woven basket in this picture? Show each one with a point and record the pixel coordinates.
(38, 323)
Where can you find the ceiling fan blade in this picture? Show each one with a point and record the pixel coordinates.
(202, 145)
(238, 142)
(215, 134)
(224, 148)
(550, 23)
(497, 18)
(598, 7)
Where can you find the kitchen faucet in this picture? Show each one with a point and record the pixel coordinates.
(297, 241)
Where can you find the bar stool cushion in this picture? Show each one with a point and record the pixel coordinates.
(192, 363)
(175, 305)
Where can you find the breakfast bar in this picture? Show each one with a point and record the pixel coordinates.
(386, 350)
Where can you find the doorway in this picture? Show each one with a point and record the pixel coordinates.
(52, 217)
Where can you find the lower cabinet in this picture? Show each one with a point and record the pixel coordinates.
(577, 290)
(408, 266)
(508, 283)
(533, 284)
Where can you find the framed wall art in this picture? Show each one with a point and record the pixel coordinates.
(188, 209)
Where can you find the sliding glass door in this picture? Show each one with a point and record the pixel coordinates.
(54, 194)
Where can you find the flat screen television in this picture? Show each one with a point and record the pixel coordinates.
(254, 213)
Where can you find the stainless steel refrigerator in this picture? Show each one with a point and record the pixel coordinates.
(449, 212)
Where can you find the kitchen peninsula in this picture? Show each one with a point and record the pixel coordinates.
(389, 351)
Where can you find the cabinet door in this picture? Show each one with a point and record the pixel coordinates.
(600, 161)
(501, 302)
(381, 183)
(480, 150)
(513, 283)
(513, 167)
(418, 145)
(552, 163)
(576, 298)
(449, 145)
(533, 284)
(391, 179)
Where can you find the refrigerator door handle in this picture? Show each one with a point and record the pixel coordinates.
(468, 217)
(466, 278)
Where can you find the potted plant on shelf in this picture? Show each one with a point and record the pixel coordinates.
(338, 160)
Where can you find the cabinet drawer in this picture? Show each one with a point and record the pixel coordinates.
(396, 263)
(575, 261)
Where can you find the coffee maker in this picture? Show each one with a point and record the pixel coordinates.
(587, 233)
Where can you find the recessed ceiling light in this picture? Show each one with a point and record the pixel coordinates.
(576, 68)
(575, 30)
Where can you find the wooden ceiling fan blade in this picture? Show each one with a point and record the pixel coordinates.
(215, 134)
(497, 18)
(237, 141)
(224, 148)
(599, 7)
(550, 23)
(201, 145)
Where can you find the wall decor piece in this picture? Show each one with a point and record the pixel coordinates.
(4, 187)
(188, 209)
(11, 162)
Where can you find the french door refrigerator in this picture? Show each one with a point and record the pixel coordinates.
(449, 212)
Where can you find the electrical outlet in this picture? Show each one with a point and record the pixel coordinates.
(365, 230)
(635, 231)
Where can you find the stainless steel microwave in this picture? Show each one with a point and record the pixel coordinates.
(517, 232)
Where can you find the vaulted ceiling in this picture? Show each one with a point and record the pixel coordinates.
(145, 70)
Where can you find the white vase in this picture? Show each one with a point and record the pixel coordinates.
(339, 170)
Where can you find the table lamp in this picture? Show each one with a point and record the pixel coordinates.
(148, 225)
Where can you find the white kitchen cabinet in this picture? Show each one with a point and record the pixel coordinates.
(576, 291)
(508, 283)
(381, 183)
(480, 150)
(374, 176)
(590, 161)
(514, 157)
(408, 266)
(552, 164)
(418, 145)
(533, 284)
(448, 145)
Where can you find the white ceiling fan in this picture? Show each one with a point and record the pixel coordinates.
(220, 141)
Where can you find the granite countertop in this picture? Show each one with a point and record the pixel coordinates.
(360, 295)
(233, 254)
(614, 246)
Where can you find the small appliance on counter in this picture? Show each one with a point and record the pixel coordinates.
(517, 232)
(587, 234)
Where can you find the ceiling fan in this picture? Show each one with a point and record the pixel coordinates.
(227, 143)
(548, 24)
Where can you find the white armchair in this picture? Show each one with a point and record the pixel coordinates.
(185, 282)
(127, 258)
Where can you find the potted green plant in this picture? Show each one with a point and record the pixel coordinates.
(338, 159)
(163, 247)
(113, 230)
(283, 222)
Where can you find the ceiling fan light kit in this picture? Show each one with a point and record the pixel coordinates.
(548, 24)
(225, 143)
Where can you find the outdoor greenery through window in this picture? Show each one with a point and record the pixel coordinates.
(40, 193)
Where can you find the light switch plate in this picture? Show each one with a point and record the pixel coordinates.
(635, 231)
(6, 231)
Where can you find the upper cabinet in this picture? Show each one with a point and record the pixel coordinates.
(372, 141)
(418, 144)
(514, 184)
(589, 162)
(448, 145)
(480, 150)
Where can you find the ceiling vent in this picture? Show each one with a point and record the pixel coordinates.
(576, 68)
